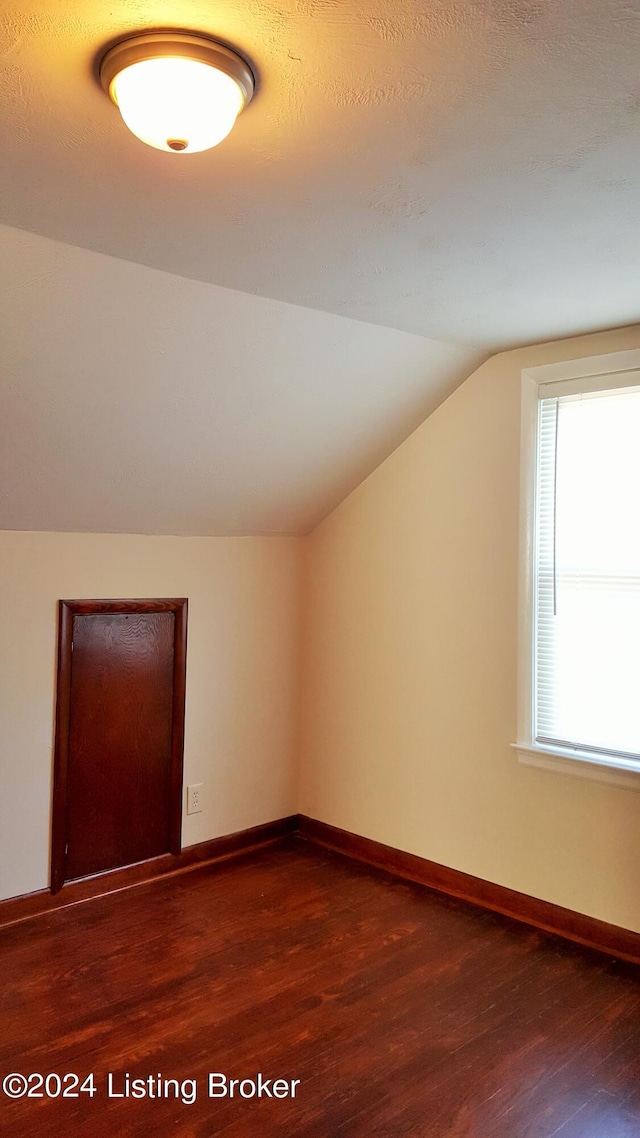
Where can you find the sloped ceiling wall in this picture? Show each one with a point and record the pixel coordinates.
(135, 401)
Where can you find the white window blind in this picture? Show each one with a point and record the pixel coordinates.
(587, 578)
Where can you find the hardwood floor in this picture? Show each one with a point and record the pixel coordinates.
(401, 1012)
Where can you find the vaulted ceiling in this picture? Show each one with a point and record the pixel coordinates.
(229, 341)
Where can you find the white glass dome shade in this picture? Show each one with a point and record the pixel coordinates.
(175, 91)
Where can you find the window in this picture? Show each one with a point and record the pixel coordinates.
(579, 667)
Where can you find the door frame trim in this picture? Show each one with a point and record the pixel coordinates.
(66, 612)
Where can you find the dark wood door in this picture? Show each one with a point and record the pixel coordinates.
(118, 778)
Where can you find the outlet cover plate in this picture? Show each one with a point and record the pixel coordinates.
(194, 798)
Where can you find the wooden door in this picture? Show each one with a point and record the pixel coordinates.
(119, 735)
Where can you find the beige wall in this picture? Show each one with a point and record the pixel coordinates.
(241, 680)
(410, 665)
(409, 657)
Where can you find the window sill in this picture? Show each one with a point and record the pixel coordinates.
(597, 768)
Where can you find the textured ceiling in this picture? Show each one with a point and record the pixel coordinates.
(466, 170)
(132, 400)
(410, 176)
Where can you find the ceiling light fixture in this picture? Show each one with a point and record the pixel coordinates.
(177, 91)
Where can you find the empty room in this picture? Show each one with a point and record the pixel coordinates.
(320, 569)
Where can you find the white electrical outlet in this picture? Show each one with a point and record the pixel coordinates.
(194, 798)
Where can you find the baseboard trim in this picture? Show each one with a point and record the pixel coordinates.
(589, 931)
(29, 905)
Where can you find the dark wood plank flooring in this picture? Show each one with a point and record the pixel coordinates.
(401, 1012)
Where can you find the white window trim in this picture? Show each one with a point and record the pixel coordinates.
(597, 767)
